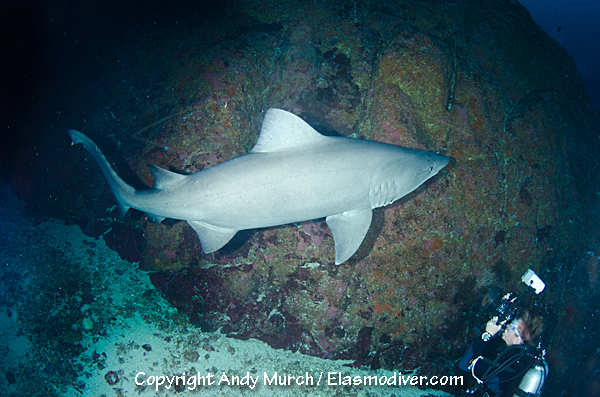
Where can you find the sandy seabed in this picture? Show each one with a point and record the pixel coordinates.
(129, 340)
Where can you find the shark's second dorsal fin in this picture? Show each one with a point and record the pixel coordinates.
(281, 130)
(163, 178)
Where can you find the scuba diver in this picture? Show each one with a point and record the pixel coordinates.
(508, 359)
(504, 360)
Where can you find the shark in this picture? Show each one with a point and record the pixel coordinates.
(292, 174)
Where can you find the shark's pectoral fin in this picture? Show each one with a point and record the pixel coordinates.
(349, 230)
(212, 237)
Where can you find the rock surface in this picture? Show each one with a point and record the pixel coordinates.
(477, 81)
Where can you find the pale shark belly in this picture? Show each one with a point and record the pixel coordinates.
(272, 194)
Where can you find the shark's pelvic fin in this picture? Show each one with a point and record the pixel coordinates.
(212, 238)
(121, 191)
(349, 230)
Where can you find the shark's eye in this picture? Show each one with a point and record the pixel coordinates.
(431, 168)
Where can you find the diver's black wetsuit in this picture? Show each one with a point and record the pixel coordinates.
(496, 348)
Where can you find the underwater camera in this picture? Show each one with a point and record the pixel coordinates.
(505, 306)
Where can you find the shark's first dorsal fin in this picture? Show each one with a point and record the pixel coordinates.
(163, 178)
(281, 130)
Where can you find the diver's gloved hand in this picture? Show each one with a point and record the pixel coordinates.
(492, 328)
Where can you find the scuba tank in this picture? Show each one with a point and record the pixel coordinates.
(533, 381)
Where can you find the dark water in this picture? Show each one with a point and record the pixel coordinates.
(184, 85)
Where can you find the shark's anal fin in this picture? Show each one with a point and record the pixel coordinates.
(212, 238)
(349, 230)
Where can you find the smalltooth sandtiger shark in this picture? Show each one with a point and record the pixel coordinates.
(292, 174)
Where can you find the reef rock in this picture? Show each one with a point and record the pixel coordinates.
(477, 81)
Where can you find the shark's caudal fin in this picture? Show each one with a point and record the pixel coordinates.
(121, 191)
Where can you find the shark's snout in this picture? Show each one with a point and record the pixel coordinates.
(443, 160)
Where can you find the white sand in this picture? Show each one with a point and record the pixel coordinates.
(129, 313)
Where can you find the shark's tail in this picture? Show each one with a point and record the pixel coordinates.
(121, 191)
